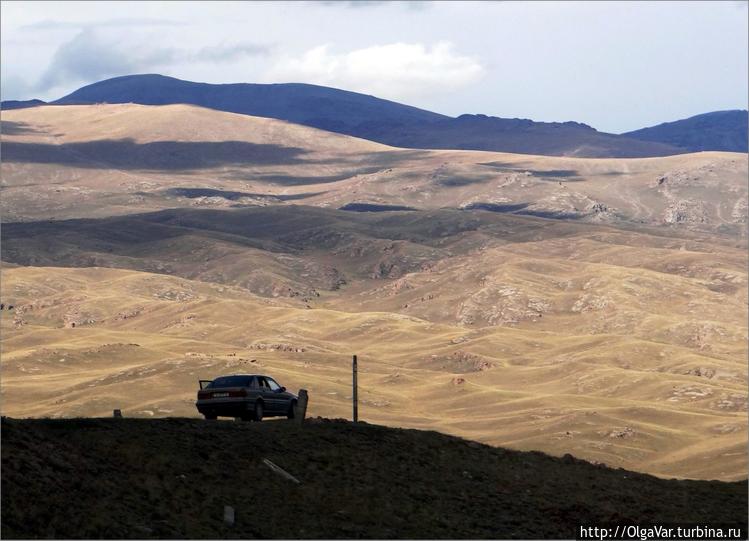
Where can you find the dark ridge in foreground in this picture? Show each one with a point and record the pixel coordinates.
(171, 478)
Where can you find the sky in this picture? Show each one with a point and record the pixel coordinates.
(617, 66)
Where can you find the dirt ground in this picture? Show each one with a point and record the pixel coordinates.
(171, 478)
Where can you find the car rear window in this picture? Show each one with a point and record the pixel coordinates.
(230, 381)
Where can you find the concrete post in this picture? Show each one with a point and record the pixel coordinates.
(228, 515)
(301, 406)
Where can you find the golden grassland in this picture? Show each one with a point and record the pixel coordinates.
(622, 400)
(609, 321)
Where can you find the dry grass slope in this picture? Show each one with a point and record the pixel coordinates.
(615, 331)
(113, 159)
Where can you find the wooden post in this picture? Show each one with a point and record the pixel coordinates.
(301, 406)
(355, 395)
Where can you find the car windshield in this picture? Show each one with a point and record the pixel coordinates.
(230, 381)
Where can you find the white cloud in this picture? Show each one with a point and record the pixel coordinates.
(89, 56)
(415, 4)
(93, 55)
(395, 71)
(52, 24)
(226, 52)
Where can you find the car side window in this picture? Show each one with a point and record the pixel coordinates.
(252, 383)
(272, 384)
(261, 383)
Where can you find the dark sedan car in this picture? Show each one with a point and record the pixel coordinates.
(249, 397)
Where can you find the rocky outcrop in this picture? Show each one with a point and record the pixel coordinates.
(686, 211)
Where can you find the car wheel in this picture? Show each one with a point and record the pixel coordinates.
(258, 413)
(292, 410)
(209, 417)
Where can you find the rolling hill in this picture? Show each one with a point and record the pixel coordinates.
(369, 117)
(311, 105)
(586, 306)
(618, 347)
(405, 126)
(113, 159)
(8, 105)
(720, 130)
(515, 135)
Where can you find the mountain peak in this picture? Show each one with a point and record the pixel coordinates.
(716, 130)
(396, 124)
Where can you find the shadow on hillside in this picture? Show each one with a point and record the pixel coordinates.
(194, 193)
(292, 180)
(360, 164)
(572, 175)
(521, 209)
(454, 181)
(15, 128)
(159, 155)
(373, 207)
(274, 228)
(496, 207)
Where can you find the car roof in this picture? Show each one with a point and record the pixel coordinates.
(243, 375)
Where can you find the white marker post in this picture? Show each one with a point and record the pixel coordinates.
(228, 515)
(301, 407)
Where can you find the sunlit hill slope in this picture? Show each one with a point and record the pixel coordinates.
(587, 306)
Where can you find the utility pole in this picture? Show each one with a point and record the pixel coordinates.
(355, 396)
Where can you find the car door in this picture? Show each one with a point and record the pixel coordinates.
(254, 391)
(269, 398)
(280, 397)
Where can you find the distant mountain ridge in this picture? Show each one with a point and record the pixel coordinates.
(7, 105)
(719, 130)
(311, 105)
(369, 117)
(400, 125)
(519, 136)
